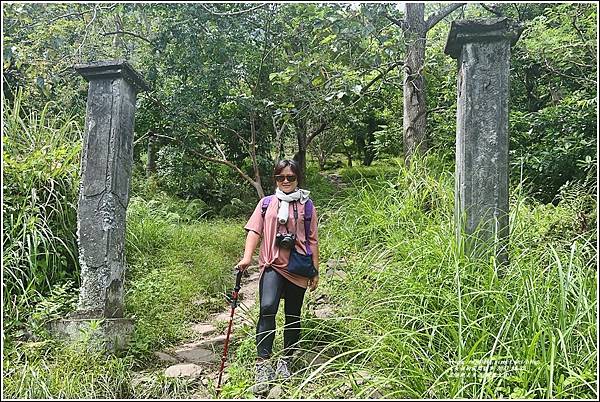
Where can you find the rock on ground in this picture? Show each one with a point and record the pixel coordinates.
(184, 370)
(197, 355)
(275, 392)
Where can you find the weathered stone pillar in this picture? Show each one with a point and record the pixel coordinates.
(482, 48)
(106, 164)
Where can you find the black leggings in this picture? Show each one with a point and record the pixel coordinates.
(270, 289)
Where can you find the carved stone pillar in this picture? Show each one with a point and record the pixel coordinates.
(106, 164)
(482, 48)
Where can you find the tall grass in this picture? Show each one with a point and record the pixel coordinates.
(177, 273)
(50, 369)
(432, 322)
(40, 178)
(418, 318)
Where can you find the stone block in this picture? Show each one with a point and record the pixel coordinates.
(110, 334)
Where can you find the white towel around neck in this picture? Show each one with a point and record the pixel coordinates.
(285, 199)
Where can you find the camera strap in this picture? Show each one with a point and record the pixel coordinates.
(308, 210)
(295, 208)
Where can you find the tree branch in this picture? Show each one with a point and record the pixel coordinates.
(400, 23)
(441, 14)
(87, 30)
(128, 33)
(70, 15)
(233, 12)
(325, 124)
(210, 158)
(381, 75)
(222, 162)
(318, 131)
(492, 9)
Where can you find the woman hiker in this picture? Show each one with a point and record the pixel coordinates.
(280, 220)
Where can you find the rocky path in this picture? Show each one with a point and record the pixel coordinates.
(199, 358)
(335, 179)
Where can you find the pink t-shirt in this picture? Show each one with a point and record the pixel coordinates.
(268, 227)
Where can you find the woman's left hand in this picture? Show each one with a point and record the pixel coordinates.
(313, 282)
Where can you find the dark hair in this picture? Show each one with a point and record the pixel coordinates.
(282, 164)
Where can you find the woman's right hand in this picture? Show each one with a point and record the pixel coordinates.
(244, 264)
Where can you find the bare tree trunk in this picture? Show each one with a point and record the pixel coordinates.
(252, 148)
(300, 156)
(415, 106)
(414, 28)
(322, 155)
(151, 164)
(278, 140)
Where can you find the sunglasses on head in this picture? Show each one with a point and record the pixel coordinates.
(280, 178)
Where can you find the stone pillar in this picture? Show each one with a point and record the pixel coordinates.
(482, 48)
(106, 163)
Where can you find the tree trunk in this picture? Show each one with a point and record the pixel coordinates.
(415, 107)
(151, 164)
(322, 159)
(369, 152)
(252, 148)
(259, 190)
(300, 156)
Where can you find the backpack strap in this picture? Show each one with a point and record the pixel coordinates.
(265, 204)
(308, 211)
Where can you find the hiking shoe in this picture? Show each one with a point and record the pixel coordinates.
(264, 375)
(283, 368)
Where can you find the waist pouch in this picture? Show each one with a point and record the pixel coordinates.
(301, 264)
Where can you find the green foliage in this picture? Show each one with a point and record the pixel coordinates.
(177, 273)
(321, 190)
(413, 308)
(172, 264)
(52, 370)
(41, 181)
(265, 77)
(554, 145)
(553, 129)
(227, 84)
(237, 208)
(553, 95)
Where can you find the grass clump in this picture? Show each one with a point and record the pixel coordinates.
(40, 162)
(178, 272)
(51, 369)
(419, 318)
(170, 266)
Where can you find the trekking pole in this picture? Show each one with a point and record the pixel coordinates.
(234, 298)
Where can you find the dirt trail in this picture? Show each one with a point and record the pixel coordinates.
(199, 358)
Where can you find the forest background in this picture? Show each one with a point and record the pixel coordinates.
(235, 87)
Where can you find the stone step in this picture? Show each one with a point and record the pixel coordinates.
(204, 329)
(184, 370)
(215, 341)
(197, 355)
(165, 357)
(224, 316)
(324, 311)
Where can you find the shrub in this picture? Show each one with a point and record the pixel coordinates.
(41, 182)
